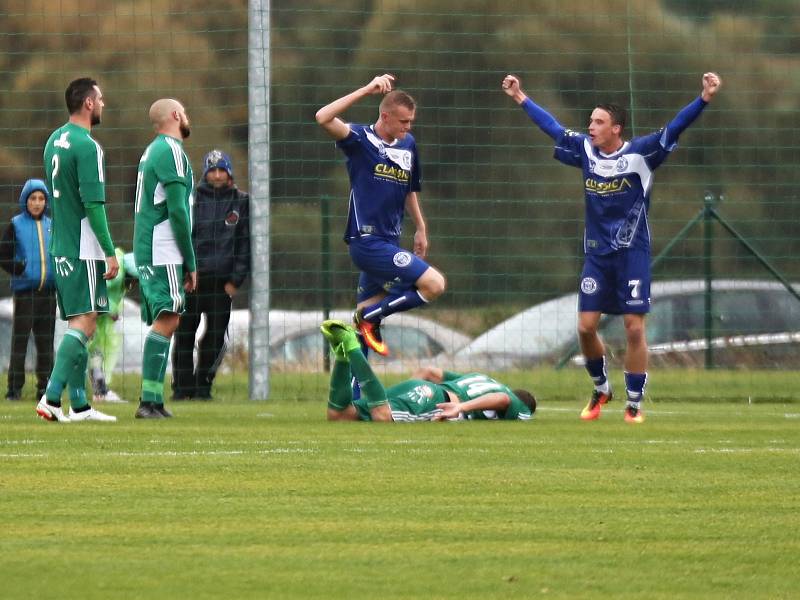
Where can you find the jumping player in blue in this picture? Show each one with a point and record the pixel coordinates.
(384, 171)
(618, 179)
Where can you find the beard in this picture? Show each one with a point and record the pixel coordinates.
(186, 130)
(95, 120)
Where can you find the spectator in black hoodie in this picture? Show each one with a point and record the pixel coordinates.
(221, 237)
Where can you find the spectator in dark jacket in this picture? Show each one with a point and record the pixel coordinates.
(221, 237)
(24, 255)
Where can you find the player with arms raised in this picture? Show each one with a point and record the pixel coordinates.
(384, 171)
(81, 247)
(162, 245)
(618, 179)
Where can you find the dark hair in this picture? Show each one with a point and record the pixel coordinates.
(78, 91)
(398, 98)
(618, 114)
(527, 398)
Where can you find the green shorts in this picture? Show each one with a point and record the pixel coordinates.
(80, 287)
(162, 290)
(410, 400)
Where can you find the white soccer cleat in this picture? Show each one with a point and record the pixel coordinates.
(90, 415)
(111, 397)
(50, 413)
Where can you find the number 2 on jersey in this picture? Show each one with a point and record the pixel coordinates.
(56, 193)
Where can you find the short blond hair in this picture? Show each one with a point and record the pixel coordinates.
(397, 98)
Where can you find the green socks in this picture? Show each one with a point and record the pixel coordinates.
(371, 388)
(340, 395)
(77, 381)
(154, 366)
(70, 356)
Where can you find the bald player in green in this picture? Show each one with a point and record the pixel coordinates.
(162, 245)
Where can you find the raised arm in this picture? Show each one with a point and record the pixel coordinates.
(545, 121)
(328, 115)
(687, 115)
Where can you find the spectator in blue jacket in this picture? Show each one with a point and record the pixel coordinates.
(24, 255)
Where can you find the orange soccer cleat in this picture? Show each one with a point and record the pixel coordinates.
(592, 409)
(371, 333)
(633, 414)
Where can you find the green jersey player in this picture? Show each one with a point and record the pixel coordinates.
(81, 247)
(433, 395)
(162, 245)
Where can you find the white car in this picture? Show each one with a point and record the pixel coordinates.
(761, 317)
(295, 341)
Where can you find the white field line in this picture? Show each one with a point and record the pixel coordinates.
(174, 453)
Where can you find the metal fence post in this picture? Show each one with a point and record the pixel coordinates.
(258, 151)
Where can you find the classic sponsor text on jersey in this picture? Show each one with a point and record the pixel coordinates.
(391, 173)
(606, 187)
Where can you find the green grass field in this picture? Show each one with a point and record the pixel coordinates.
(239, 499)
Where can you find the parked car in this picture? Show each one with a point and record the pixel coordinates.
(296, 343)
(755, 323)
(295, 340)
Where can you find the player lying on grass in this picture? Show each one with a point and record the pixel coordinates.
(432, 395)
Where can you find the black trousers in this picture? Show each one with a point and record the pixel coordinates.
(33, 312)
(209, 299)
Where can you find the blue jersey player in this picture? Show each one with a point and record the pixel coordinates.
(618, 180)
(384, 171)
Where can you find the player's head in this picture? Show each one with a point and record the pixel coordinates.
(527, 399)
(34, 198)
(83, 94)
(606, 125)
(217, 169)
(168, 116)
(397, 112)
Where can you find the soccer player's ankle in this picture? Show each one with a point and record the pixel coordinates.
(52, 393)
(350, 343)
(338, 406)
(603, 388)
(372, 404)
(78, 401)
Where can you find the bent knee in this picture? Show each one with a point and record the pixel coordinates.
(432, 284)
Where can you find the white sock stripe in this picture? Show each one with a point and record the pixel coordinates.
(156, 336)
(372, 313)
(397, 301)
(423, 298)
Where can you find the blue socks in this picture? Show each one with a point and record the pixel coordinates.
(597, 371)
(634, 384)
(393, 304)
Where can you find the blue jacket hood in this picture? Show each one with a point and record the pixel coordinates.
(33, 185)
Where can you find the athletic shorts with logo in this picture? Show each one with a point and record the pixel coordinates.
(384, 266)
(80, 287)
(616, 283)
(162, 290)
(410, 400)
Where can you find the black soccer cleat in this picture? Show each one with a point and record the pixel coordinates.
(147, 410)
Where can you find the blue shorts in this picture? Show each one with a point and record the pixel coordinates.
(616, 283)
(385, 267)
